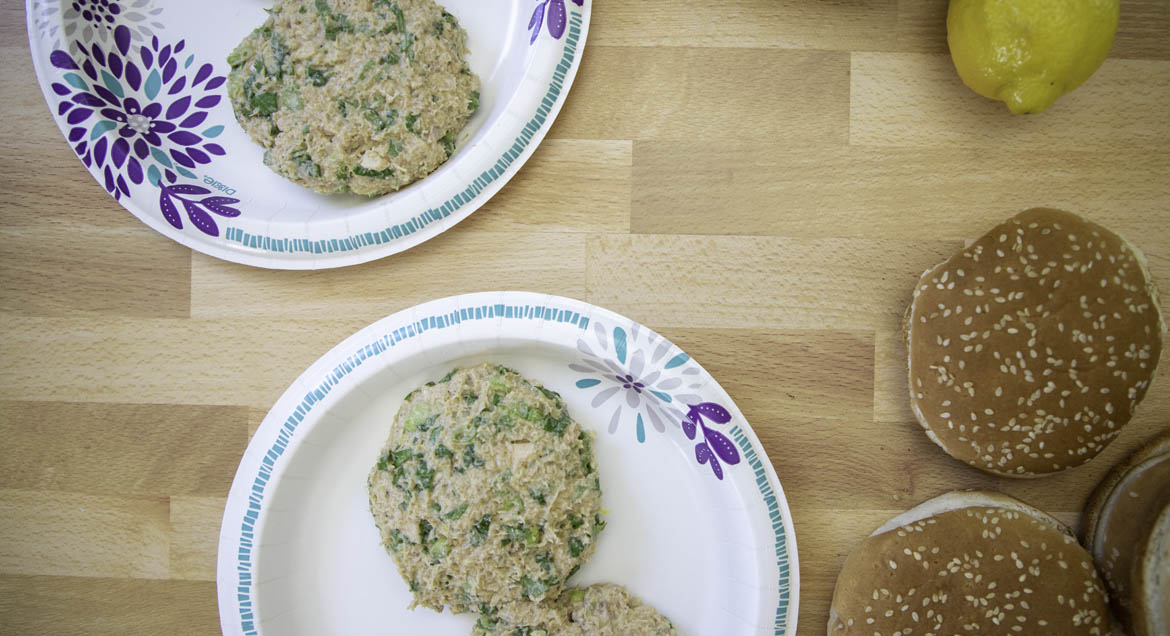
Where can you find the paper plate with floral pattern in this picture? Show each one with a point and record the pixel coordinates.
(138, 88)
(696, 522)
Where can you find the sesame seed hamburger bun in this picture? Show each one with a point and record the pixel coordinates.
(1118, 520)
(1151, 581)
(1029, 349)
(969, 563)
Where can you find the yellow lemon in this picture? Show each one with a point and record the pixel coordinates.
(1027, 53)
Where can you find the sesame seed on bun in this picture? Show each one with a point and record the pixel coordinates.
(1029, 349)
(969, 563)
(1119, 519)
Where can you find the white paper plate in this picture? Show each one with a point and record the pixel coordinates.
(709, 544)
(113, 71)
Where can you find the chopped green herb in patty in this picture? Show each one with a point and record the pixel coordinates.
(321, 85)
(482, 491)
(597, 610)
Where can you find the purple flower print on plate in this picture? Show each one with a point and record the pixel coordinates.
(714, 445)
(633, 370)
(142, 114)
(552, 13)
(196, 208)
(85, 21)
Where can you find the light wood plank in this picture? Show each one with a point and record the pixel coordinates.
(891, 394)
(126, 271)
(755, 24)
(12, 25)
(138, 361)
(910, 99)
(255, 418)
(717, 94)
(97, 607)
(829, 463)
(551, 263)
(65, 534)
(44, 183)
(922, 26)
(194, 537)
(1142, 29)
(749, 281)
(773, 375)
(567, 186)
(145, 450)
(771, 188)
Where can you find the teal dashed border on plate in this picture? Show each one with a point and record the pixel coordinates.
(420, 221)
(333, 378)
(777, 525)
